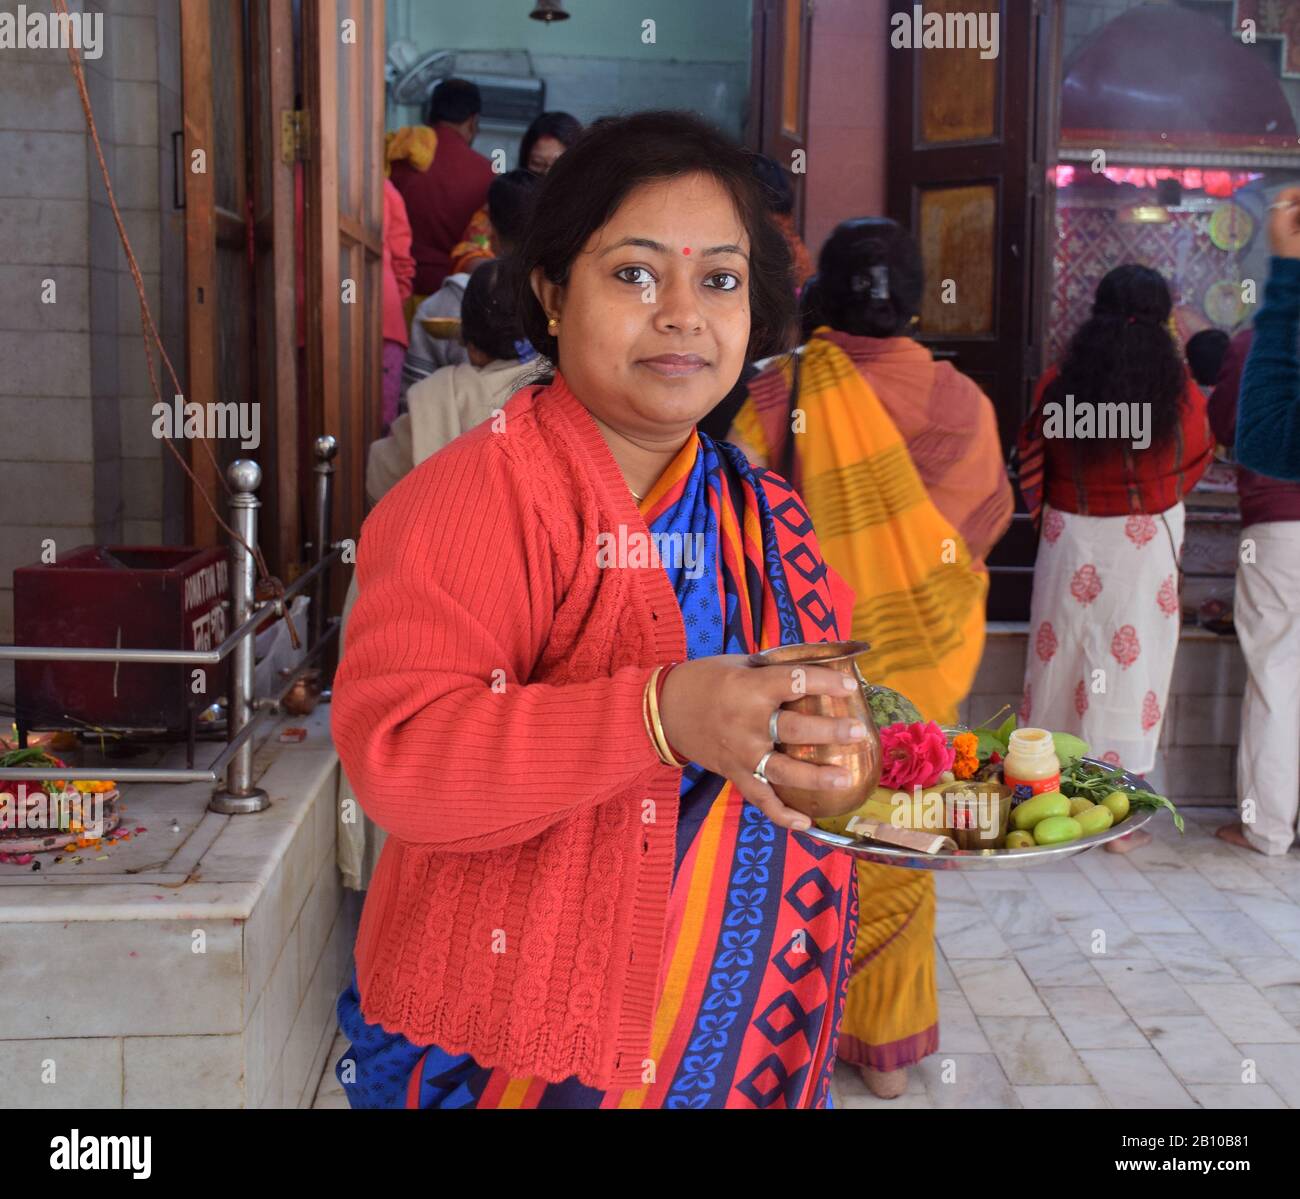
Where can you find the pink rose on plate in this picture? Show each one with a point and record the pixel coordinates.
(913, 755)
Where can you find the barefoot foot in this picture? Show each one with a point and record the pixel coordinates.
(1135, 840)
(1232, 834)
(884, 1084)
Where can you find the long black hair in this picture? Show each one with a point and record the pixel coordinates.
(488, 318)
(1123, 354)
(563, 126)
(869, 280)
(770, 173)
(615, 156)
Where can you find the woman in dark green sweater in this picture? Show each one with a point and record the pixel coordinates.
(1268, 422)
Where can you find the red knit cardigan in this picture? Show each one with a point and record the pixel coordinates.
(488, 714)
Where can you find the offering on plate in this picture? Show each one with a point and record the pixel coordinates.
(993, 791)
(903, 838)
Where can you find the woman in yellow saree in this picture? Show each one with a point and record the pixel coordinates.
(898, 459)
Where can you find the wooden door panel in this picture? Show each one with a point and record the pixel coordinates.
(957, 228)
(237, 63)
(343, 54)
(970, 143)
(221, 312)
(273, 53)
(957, 91)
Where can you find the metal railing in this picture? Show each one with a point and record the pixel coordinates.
(233, 767)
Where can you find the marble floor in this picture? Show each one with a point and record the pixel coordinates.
(1169, 977)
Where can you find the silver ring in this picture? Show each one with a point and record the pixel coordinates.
(772, 734)
(761, 767)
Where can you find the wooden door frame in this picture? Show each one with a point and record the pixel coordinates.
(200, 257)
(265, 330)
(274, 235)
(1017, 160)
(765, 132)
(321, 215)
(1046, 129)
(1027, 208)
(351, 417)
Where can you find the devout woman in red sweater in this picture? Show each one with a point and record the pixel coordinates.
(574, 909)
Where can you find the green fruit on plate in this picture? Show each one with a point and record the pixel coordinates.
(1021, 839)
(1029, 813)
(1118, 804)
(878, 806)
(1057, 830)
(1068, 747)
(1080, 805)
(1095, 820)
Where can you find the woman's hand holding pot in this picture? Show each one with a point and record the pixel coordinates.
(718, 711)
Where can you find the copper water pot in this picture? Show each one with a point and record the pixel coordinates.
(860, 758)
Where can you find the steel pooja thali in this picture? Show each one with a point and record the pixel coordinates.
(987, 859)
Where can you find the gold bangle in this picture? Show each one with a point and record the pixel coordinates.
(661, 739)
(645, 716)
(647, 698)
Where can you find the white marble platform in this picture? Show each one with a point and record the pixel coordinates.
(198, 964)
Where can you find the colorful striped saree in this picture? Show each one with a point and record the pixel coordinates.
(899, 460)
(761, 922)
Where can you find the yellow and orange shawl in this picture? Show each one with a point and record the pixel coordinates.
(416, 144)
(898, 460)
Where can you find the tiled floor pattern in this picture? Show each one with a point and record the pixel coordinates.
(1169, 977)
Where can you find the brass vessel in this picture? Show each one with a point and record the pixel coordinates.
(444, 328)
(860, 758)
(980, 813)
(304, 695)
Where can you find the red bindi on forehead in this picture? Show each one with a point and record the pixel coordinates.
(686, 250)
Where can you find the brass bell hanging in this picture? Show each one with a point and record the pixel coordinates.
(548, 11)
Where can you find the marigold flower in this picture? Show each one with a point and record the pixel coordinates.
(966, 762)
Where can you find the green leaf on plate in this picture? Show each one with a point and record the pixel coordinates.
(1145, 799)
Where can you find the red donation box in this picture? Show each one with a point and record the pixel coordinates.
(127, 597)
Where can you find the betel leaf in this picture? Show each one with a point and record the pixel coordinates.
(1146, 799)
(994, 740)
(26, 757)
(987, 743)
